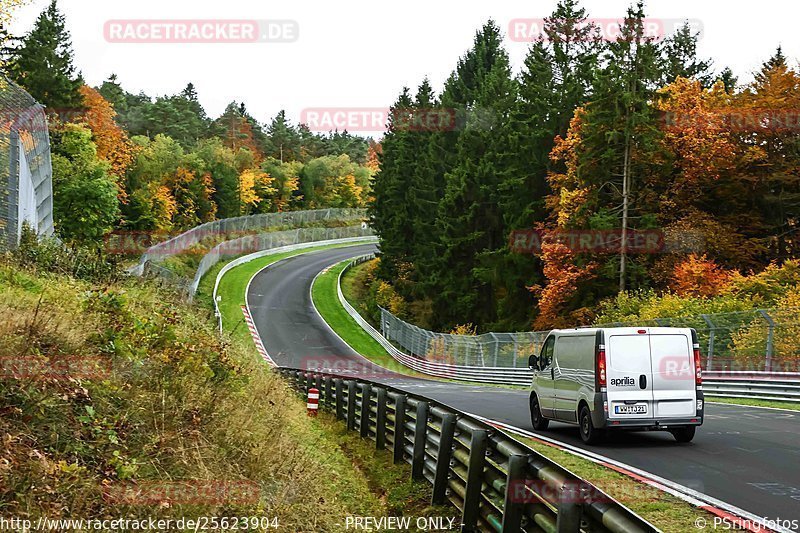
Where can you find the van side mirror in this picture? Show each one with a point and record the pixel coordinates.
(533, 362)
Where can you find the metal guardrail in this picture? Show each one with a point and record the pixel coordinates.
(496, 482)
(500, 375)
(784, 387)
(776, 386)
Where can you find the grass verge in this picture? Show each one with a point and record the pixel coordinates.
(665, 511)
(325, 296)
(119, 399)
(753, 402)
(233, 284)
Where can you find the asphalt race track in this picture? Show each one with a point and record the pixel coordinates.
(747, 457)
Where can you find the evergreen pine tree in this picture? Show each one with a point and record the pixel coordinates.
(679, 58)
(42, 63)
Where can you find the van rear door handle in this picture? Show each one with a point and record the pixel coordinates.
(642, 382)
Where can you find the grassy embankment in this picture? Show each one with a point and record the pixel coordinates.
(119, 400)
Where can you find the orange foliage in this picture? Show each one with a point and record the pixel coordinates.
(239, 134)
(563, 277)
(113, 144)
(698, 276)
(696, 134)
(374, 149)
(569, 197)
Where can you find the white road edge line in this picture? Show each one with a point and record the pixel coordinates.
(795, 411)
(687, 494)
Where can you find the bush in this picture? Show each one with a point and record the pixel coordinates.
(50, 255)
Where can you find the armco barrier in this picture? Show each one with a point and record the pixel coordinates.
(282, 249)
(497, 483)
(776, 386)
(481, 374)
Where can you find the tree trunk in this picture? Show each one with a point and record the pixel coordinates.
(624, 233)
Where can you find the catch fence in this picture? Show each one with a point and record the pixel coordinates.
(26, 176)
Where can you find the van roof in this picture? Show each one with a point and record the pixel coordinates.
(630, 330)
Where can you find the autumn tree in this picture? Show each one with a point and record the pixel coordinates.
(113, 144)
(699, 276)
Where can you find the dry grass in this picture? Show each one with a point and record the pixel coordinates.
(160, 398)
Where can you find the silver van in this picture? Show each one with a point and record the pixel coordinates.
(605, 379)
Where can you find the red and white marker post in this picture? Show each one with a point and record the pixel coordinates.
(313, 401)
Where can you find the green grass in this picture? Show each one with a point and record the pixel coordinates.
(326, 300)
(666, 512)
(391, 482)
(755, 402)
(233, 284)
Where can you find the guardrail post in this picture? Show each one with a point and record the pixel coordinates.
(339, 398)
(472, 495)
(443, 459)
(351, 405)
(399, 428)
(318, 382)
(366, 394)
(770, 339)
(514, 504)
(380, 420)
(420, 430)
(328, 391)
(712, 330)
(569, 509)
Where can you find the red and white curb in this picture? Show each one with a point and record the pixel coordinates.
(735, 518)
(256, 338)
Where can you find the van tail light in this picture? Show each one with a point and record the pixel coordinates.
(601, 366)
(698, 371)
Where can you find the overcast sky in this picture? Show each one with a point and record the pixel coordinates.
(360, 53)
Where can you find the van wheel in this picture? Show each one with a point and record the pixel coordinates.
(538, 422)
(589, 434)
(685, 434)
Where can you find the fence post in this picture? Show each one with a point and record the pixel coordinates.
(12, 224)
(380, 420)
(443, 459)
(339, 398)
(512, 510)
(328, 391)
(569, 509)
(351, 405)
(366, 394)
(770, 339)
(712, 330)
(420, 431)
(472, 494)
(399, 428)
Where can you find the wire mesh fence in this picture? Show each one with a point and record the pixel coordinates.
(246, 245)
(230, 228)
(26, 193)
(267, 241)
(760, 340)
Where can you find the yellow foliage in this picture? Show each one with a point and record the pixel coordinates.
(247, 188)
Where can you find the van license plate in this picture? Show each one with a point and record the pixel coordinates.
(637, 409)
